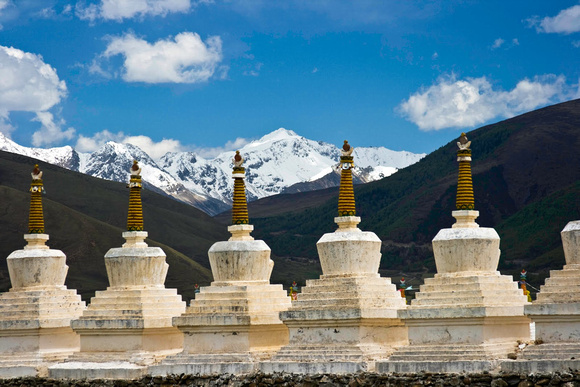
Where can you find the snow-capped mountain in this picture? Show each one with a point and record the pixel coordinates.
(274, 164)
(112, 162)
(278, 161)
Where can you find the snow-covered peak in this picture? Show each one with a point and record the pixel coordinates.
(277, 135)
(65, 156)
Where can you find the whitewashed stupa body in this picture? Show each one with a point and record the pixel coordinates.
(128, 326)
(556, 314)
(233, 324)
(35, 314)
(468, 317)
(347, 319)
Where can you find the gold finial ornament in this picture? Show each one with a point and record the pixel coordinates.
(36, 216)
(346, 204)
(135, 214)
(464, 199)
(240, 205)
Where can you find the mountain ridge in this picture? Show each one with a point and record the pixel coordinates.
(274, 163)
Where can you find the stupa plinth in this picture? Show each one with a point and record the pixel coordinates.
(233, 324)
(347, 319)
(36, 313)
(128, 326)
(556, 314)
(468, 317)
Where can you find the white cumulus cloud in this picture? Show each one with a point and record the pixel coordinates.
(453, 103)
(51, 132)
(155, 149)
(27, 84)
(211, 152)
(566, 21)
(183, 59)
(127, 9)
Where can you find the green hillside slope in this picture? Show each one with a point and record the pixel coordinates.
(85, 216)
(516, 163)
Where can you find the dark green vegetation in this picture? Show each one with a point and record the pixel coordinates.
(526, 173)
(85, 217)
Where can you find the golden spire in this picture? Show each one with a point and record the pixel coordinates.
(36, 216)
(346, 205)
(135, 214)
(464, 200)
(240, 206)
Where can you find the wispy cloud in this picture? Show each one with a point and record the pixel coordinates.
(182, 59)
(566, 21)
(126, 9)
(497, 43)
(453, 103)
(501, 43)
(254, 71)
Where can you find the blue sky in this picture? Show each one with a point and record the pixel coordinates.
(202, 75)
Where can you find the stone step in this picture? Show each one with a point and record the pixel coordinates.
(130, 292)
(559, 287)
(318, 353)
(256, 304)
(471, 301)
(42, 315)
(106, 302)
(574, 273)
(131, 313)
(48, 292)
(395, 295)
(506, 296)
(346, 303)
(67, 297)
(161, 299)
(485, 286)
(241, 295)
(333, 287)
(219, 309)
(562, 281)
(452, 352)
(338, 286)
(549, 297)
(44, 307)
(251, 309)
(552, 351)
(470, 279)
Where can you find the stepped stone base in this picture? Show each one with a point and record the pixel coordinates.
(556, 314)
(229, 327)
(556, 311)
(341, 324)
(131, 319)
(122, 331)
(458, 317)
(35, 314)
(546, 358)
